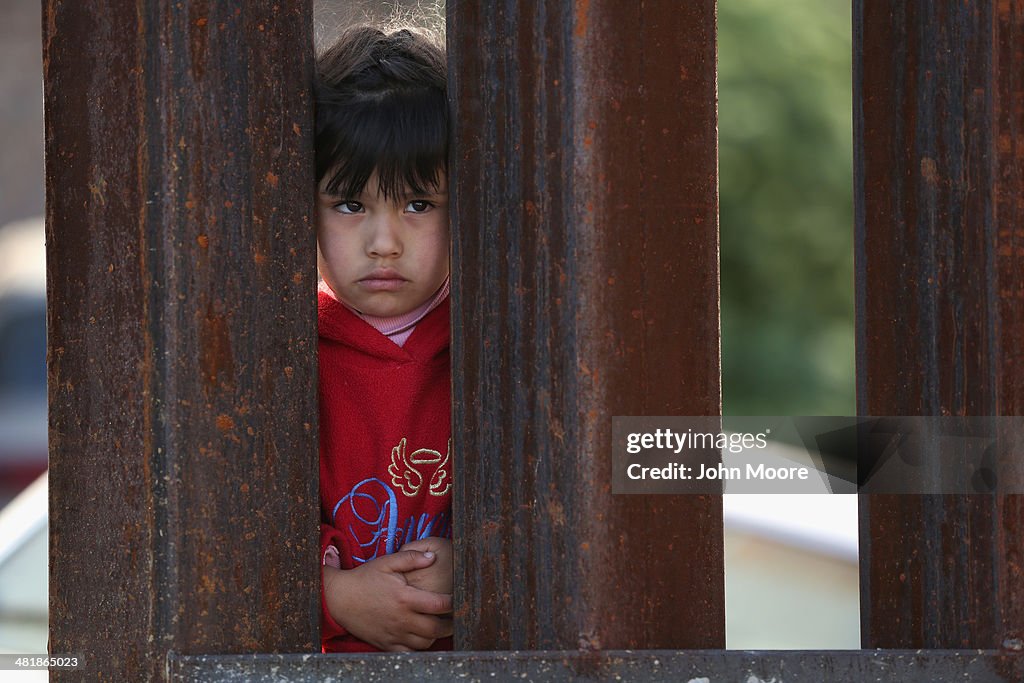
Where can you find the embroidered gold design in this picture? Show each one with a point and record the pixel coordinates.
(409, 479)
(440, 477)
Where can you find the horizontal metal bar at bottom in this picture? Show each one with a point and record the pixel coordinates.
(683, 666)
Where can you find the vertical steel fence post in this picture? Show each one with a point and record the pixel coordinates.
(182, 354)
(939, 119)
(585, 235)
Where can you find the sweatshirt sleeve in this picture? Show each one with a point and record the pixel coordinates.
(330, 545)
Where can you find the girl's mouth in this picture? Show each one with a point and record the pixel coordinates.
(383, 280)
(382, 284)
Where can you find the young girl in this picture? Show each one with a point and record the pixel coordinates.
(385, 427)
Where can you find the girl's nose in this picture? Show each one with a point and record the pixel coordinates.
(383, 240)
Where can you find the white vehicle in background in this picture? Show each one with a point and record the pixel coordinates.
(23, 575)
(23, 421)
(23, 438)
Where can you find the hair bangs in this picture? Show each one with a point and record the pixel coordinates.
(400, 134)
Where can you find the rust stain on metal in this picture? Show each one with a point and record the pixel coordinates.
(215, 348)
(167, 117)
(582, 7)
(541, 334)
(929, 171)
(938, 216)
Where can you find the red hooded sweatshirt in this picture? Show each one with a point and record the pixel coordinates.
(385, 443)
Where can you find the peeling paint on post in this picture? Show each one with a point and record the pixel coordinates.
(585, 234)
(939, 120)
(182, 331)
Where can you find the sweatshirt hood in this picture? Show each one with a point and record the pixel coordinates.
(337, 323)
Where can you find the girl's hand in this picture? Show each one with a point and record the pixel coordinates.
(375, 603)
(436, 577)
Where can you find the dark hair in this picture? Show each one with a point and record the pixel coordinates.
(381, 105)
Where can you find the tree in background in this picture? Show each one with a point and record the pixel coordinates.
(786, 187)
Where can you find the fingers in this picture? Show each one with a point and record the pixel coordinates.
(398, 647)
(421, 545)
(429, 627)
(446, 627)
(434, 543)
(418, 633)
(410, 643)
(407, 560)
(426, 602)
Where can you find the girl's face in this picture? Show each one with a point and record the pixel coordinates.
(383, 258)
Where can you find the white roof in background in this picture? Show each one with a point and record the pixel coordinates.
(821, 523)
(23, 516)
(23, 257)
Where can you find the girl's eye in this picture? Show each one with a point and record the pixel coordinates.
(348, 207)
(418, 206)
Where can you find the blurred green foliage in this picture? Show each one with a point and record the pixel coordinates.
(786, 192)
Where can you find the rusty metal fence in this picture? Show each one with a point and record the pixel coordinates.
(182, 336)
